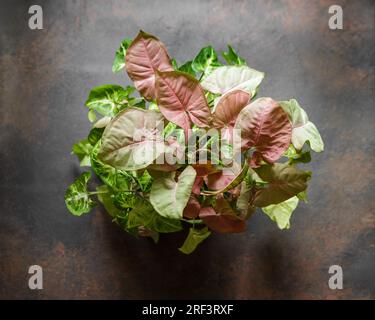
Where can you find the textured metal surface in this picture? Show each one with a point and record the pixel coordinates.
(45, 78)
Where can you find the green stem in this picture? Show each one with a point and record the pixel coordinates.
(96, 192)
(200, 78)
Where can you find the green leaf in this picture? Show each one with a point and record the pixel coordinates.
(77, 197)
(303, 129)
(105, 196)
(82, 150)
(205, 61)
(283, 182)
(143, 214)
(281, 212)
(243, 205)
(116, 179)
(194, 238)
(296, 156)
(109, 99)
(95, 135)
(188, 68)
(226, 78)
(168, 196)
(232, 58)
(119, 62)
(91, 115)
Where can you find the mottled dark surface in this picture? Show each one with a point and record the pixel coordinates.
(46, 76)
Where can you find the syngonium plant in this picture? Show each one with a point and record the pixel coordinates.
(183, 112)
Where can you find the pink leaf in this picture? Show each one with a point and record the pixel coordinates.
(144, 57)
(264, 125)
(227, 110)
(192, 208)
(225, 221)
(181, 100)
(219, 180)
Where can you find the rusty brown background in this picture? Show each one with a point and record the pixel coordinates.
(45, 78)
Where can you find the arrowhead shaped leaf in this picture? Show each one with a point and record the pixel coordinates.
(281, 212)
(77, 197)
(226, 78)
(303, 129)
(144, 57)
(284, 181)
(181, 100)
(169, 197)
(194, 238)
(264, 125)
(133, 139)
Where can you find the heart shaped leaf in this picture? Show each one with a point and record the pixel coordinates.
(281, 212)
(265, 126)
(303, 129)
(168, 196)
(283, 182)
(226, 78)
(133, 139)
(181, 100)
(144, 57)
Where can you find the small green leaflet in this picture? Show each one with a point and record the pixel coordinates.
(194, 238)
(82, 150)
(303, 129)
(110, 99)
(296, 156)
(206, 61)
(77, 197)
(119, 62)
(232, 58)
(281, 212)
